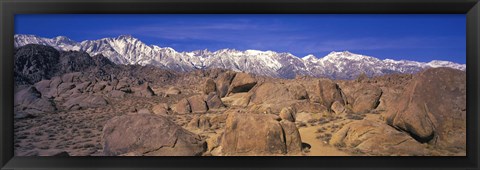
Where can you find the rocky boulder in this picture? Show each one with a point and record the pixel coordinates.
(377, 138)
(270, 137)
(160, 109)
(143, 90)
(83, 101)
(329, 92)
(209, 86)
(433, 108)
(149, 135)
(214, 101)
(31, 100)
(223, 82)
(182, 107)
(276, 96)
(338, 107)
(366, 98)
(172, 91)
(197, 104)
(200, 122)
(288, 114)
(242, 82)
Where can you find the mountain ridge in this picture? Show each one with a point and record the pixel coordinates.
(128, 50)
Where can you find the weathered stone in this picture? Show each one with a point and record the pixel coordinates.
(200, 122)
(329, 92)
(85, 101)
(288, 114)
(172, 91)
(160, 109)
(366, 98)
(143, 90)
(223, 83)
(378, 139)
(182, 107)
(209, 86)
(433, 108)
(157, 136)
(242, 82)
(30, 99)
(197, 104)
(338, 107)
(214, 101)
(270, 136)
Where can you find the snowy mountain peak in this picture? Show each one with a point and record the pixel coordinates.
(309, 57)
(126, 49)
(340, 53)
(63, 39)
(126, 36)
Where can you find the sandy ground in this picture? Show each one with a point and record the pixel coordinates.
(318, 147)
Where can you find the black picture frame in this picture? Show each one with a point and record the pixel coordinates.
(9, 8)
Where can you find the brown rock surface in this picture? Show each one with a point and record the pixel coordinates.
(209, 86)
(223, 82)
(365, 98)
(160, 109)
(198, 104)
(82, 101)
(30, 100)
(143, 90)
(242, 82)
(270, 136)
(149, 135)
(182, 107)
(433, 108)
(329, 92)
(338, 107)
(172, 91)
(200, 122)
(288, 114)
(378, 139)
(214, 101)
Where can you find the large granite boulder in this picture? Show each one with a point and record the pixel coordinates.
(377, 138)
(366, 98)
(143, 90)
(209, 86)
(197, 104)
(83, 101)
(259, 134)
(242, 82)
(214, 101)
(329, 92)
(149, 135)
(433, 108)
(182, 107)
(31, 100)
(223, 82)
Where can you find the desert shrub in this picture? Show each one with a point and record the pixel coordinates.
(355, 116)
(323, 120)
(340, 145)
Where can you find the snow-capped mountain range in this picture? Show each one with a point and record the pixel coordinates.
(126, 49)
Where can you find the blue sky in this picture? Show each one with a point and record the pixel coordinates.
(410, 37)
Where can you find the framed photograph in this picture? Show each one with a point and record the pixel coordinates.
(223, 84)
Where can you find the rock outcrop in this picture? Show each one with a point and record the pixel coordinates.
(242, 82)
(31, 100)
(366, 98)
(377, 138)
(270, 137)
(223, 82)
(149, 135)
(433, 108)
